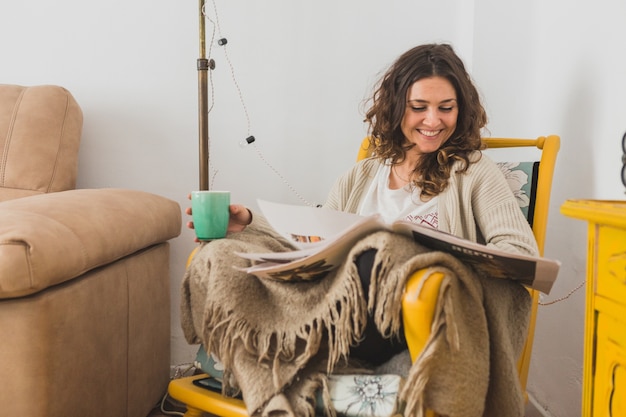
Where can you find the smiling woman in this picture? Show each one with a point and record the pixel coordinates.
(424, 123)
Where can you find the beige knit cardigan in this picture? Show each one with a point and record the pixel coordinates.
(477, 205)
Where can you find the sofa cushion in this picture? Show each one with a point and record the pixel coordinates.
(40, 130)
(51, 238)
(12, 193)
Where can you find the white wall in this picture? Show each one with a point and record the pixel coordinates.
(303, 69)
(552, 67)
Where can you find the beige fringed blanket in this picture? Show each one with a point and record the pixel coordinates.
(278, 340)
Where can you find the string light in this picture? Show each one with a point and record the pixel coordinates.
(250, 140)
(558, 300)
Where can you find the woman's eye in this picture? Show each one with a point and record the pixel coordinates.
(446, 109)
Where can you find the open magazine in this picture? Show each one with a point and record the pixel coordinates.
(323, 238)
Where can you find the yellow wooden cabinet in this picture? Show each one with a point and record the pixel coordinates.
(604, 367)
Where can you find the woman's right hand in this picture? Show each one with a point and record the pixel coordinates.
(239, 218)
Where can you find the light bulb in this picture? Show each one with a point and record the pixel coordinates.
(247, 141)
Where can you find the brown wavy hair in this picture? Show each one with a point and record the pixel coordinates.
(432, 172)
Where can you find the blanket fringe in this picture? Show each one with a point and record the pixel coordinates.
(329, 410)
(414, 388)
(341, 325)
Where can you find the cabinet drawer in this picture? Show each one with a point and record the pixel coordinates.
(610, 263)
(609, 390)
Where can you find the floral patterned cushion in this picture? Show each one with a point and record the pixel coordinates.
(522, 178)
(209, 364)
(364, 395)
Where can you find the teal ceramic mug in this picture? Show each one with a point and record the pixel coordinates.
(210, 213)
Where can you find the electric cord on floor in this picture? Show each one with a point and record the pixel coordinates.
(168, 412)
(180, 371)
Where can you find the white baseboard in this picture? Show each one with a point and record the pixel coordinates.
(537, 409)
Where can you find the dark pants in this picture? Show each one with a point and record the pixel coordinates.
(374, 348)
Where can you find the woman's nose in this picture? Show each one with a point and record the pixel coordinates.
(431, 118)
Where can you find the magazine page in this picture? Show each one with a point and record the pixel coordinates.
(307, 226)
(310, 229)
(535, 272)
(312, 263)
(545, 274)
(280, 257)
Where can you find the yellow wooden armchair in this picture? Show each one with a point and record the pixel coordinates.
(418, 306)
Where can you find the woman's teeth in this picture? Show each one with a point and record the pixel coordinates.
(429, 132)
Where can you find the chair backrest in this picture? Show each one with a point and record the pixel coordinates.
(40, 131)
(541, 175)
(549, 147)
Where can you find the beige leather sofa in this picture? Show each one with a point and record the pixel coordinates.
(84, 274)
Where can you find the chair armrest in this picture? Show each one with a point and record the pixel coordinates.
(418, 308)
(51, 238)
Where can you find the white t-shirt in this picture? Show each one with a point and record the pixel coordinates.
(400, 204)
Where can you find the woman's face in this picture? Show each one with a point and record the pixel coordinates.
(430, 115)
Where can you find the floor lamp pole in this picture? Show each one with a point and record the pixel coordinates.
(203, 115)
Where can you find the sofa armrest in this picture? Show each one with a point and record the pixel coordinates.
(51, 238)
